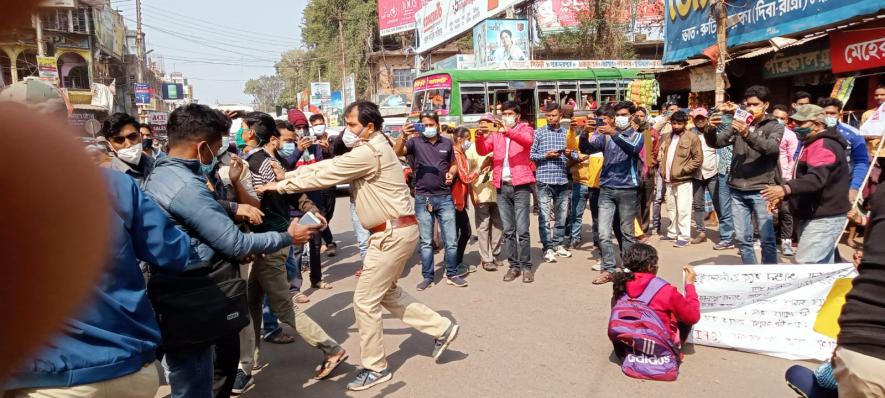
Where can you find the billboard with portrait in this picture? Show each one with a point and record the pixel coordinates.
(499, 42)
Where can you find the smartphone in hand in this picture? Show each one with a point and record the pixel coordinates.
(419, 127)
(309, 219)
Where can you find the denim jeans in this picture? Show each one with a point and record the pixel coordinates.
(700, 206)
(189, 372)
(362, 234)
(515, 205)
(580, 196)
(624, 202)
(745, 205)
(726, 224)
(660, 192)
(553, 201)
(443, 211)
(818, 238)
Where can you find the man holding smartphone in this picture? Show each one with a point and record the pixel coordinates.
(551, 157)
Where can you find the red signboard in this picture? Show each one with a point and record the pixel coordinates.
(395, 16)
(854, 50)
(433, 82)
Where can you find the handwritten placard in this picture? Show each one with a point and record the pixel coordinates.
(766, 309)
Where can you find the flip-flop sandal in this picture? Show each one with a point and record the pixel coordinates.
(322, 285)
(300, 298)
(329, 366)
(280, 338)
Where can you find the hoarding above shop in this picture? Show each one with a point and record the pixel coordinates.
(442, 20)
(396, 16)
(855, 50)
(690, 27)
(645, 23)
(498, 42)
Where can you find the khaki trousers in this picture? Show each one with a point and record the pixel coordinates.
(141, 384)
(268, 275)
(859, 375)
(488, 231)
(377, 289)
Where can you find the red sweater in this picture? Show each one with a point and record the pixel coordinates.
(670, 305)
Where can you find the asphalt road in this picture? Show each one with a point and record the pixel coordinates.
(545, 339)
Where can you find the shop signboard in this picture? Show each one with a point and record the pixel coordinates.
(142, 94)
(690, 27)
(158, 118)
(588, 64)
(433, 82)
(173, 91)
(320, 93)
(109, 30)
(396, 16)
(438, 21)
(795, 61)
(48, 68)
(498, 42)
(855, 50)
(647, 19)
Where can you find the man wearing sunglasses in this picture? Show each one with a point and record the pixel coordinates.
(120, 130)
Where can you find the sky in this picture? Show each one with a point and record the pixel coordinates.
(217, 44)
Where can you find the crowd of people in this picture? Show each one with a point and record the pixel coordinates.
(212, 229)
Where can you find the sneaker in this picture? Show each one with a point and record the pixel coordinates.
(425, 284)
(456, 281)
(701, 238)
(723, 246)
(462, 270)
(787, 248)
(442, 342)
(550, 256)
(597, 267)
(561, 252)
(366, 379)
(681, 243)
(472, 268)
(332, 249)
(511, 274)
(242, 382)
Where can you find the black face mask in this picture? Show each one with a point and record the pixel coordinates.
(147, 143)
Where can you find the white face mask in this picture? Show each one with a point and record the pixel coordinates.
(509, 121)
(622, 122)
(831, 121)
(318, 129)
(350, 139)
(131, 155)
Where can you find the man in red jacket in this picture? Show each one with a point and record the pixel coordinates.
(513, 177)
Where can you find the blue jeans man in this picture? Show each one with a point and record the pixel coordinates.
(580, 196)
(745, 205)
(726, 223)
(818, 238)
(623, 201)
(514, 205)
(553, 201)
(429, 210)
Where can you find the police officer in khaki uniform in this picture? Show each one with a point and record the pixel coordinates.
(385, 207)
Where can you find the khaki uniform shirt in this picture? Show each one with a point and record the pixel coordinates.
(376, 181)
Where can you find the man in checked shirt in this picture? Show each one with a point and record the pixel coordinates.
(551, 156)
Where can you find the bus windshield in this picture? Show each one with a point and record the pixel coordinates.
(433, 93)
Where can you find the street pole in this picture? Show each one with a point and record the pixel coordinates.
(341, 48)
(38, 25)
(721, 13)
(139, 43)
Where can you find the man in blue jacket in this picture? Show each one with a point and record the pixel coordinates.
(178, 184)
(620, 146)
(109, 349)
(858, 157)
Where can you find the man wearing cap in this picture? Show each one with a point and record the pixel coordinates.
(706, 179)
(385, 207)
(489, 230)
(817, 194)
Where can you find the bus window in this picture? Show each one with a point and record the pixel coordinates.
(418, 101)
(568, 92)
(473, 99)
(623, 95)
(495, 98)
(608, 92)
(546, 94)
(589, 99)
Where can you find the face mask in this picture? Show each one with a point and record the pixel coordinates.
(757, 113)
(466, 145)
(350, 139)
(622, 122)
(831, 121)
(147, 143)
(287, 149)
(429, 132)
(509, 121)
(318, 129)
(207, 169)
(131, 155)
(241, 143)
(225, 143)
(802, 132)
(782, 122)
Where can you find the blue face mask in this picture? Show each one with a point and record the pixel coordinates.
(429, 132)
(287, 150)
(781, 122)
(802, 132)
(207, 169)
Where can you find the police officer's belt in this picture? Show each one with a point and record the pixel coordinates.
(401, 222)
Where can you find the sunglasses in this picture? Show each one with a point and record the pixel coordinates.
(120, 139)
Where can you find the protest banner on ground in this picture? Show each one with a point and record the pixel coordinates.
(766, 309)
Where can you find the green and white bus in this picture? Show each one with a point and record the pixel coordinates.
(462, 96)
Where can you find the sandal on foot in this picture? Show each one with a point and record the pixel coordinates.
(321, 285)
(328, 366)
(280, 338)
(300, 298)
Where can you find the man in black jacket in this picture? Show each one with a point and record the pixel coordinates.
(753, 168)
(859, 364)
(816, 194)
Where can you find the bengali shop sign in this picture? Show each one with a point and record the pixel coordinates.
(690, 27)
(441, 20)
(766, 309)
(395, 16)
(855, 50)
(794, 61)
